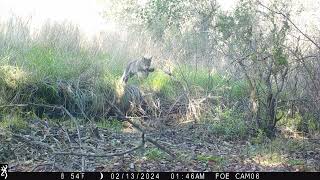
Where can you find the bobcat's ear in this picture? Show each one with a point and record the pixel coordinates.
(147, 57)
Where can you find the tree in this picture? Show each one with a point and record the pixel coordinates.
(254, 41)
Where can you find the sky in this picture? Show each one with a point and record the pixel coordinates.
(86, 13)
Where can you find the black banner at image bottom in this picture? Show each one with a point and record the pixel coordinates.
(159, 175)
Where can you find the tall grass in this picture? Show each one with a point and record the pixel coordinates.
(53, 66)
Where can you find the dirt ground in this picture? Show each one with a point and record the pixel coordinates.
(37, 149)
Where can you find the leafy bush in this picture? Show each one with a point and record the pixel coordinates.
(229, 124)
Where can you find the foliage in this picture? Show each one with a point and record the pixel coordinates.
(228, 124)
(160, 15)
(13, 121)
(291, 122)
(160, 83)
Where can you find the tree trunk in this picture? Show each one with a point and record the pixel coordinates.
(271, 115)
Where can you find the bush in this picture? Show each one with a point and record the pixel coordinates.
(260, 137)
(228, 124)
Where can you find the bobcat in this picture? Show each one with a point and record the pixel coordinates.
(140, 67)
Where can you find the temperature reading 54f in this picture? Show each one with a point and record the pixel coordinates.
(72, 176)
(77, 176)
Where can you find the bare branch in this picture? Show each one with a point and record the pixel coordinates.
(294, 25)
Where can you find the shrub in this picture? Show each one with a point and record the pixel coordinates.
(228, 124)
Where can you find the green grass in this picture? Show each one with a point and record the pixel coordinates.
(200, 77)
(160, 83)
(213, 161)
(13, 122)
(112, 124)
(283, 145)
(294, 162)
(213, 82)
(48, 62)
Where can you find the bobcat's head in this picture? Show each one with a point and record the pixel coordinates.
(146, 62)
